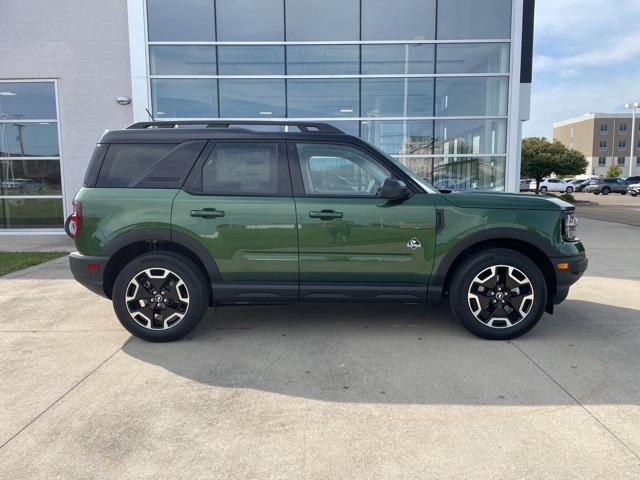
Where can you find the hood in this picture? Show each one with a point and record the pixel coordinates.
(520, 201)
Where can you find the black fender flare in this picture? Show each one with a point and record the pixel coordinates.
(437, 281)
(167, 235)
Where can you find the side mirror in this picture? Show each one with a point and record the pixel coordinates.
(393, 189)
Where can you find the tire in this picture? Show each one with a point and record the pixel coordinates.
(633, 194)
(543, 189)
(186, 296)
(606, 191)
(623, 193)
(569, 190)
(596, 193)
(522, 276)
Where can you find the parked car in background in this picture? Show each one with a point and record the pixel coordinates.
(606, 186)
(632, 180)
(634, 189)
(579, 184)
(552, 185)
(525, 183)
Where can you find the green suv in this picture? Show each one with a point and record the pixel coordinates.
(175, 217)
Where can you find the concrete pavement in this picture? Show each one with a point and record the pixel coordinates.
(324, 391)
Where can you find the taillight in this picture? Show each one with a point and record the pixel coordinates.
(74, 222)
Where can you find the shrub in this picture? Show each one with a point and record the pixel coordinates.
(567, 197)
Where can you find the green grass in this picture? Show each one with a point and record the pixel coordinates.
(14, 261)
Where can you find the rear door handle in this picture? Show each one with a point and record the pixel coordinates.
(207, 213)
(325, 214)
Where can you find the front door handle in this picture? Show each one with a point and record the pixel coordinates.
(207, 213)
(325, 214)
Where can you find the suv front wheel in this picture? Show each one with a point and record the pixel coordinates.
(160, 296)
(498, 294)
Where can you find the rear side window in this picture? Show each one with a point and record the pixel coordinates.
(148, 165)
(91, 175)
(247, 168)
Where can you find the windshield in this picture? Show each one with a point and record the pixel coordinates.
(419, 180)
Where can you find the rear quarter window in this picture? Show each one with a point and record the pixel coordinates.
(148, 165)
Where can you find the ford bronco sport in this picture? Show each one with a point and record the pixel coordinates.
(172, 220)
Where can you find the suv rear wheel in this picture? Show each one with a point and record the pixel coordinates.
(498, 294)
(160, 296)
(543, 189)
(606, 191)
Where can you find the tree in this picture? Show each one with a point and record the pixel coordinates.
(541, 158)
(614, 171)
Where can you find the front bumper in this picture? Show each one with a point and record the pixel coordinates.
(565, 277)
(89, 271)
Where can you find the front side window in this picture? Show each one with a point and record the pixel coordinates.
(339, 170)
(245, 169)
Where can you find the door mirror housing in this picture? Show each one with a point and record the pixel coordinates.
(393, 189)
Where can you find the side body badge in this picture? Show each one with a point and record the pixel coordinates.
(414, 243)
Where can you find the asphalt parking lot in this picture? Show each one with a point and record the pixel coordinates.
(324, 391)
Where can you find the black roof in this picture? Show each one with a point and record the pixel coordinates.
(169, 131)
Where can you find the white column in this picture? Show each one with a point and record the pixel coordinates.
(139, 61)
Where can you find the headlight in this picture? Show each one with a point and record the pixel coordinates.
(570, 227)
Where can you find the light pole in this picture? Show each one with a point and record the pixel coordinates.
(632, 107)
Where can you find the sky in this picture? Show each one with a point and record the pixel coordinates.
(586, 59)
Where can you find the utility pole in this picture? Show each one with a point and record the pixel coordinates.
(633, 108)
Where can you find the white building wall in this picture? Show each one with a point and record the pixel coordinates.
(84, 44)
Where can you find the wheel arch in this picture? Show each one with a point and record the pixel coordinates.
(124, 248)
(527, 243)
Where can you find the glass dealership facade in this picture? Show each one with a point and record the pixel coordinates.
(426, 81)
(441, 85)
(30, 176)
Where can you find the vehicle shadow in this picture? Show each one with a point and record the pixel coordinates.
(408, 354)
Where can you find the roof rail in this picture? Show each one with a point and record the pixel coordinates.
(305, 127)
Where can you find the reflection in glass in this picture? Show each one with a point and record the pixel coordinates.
(350, 127)
(473, 58)
(322, 60)
(29, 139)
(399, 20)
(405, 137)
(467, 96)
(470, 136)
(421, 166)
(185, 21)
(252, 98)
(27, 100)
(31, 213)
(251, 60)
(395, 97)
(30, 177)
(250, 20)
(469, 173)
(184, 98)
(182, 60)
(325, 20)
(323, 98)
(471, 19)
(398, 59)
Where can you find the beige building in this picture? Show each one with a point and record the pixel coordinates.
(604, 139)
